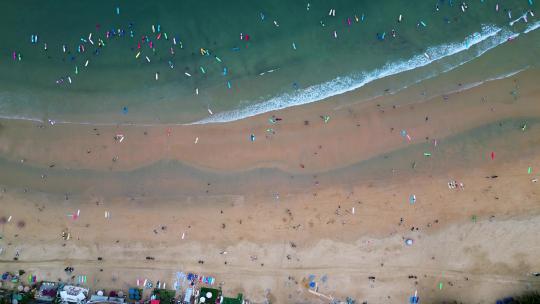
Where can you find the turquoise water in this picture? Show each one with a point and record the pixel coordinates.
(311, 53)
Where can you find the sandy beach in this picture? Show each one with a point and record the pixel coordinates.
(307, 197)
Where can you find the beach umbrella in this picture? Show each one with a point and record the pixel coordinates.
(414, 299)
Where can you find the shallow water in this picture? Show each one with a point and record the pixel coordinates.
(162, 179)
(320, 66)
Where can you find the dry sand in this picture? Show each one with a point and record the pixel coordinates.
(282, 206)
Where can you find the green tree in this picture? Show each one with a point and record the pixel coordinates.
(528, 298)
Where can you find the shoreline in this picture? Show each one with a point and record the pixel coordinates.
(255, 109)
(178, 142)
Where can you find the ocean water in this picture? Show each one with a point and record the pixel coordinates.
(216, 61)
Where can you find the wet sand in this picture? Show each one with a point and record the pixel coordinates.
(282, 205)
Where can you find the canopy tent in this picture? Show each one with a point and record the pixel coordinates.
(73, 294)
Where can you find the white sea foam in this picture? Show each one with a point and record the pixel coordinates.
(17, 117)
(490, 37)
(532, 27)
(479, 83)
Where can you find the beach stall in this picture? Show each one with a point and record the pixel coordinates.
(47, 292)
(188, 296)
(99, 297)
(94, 299)
(135, 295)
(73, 294)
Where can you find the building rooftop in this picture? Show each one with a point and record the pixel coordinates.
(73, 294)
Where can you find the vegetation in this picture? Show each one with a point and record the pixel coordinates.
(528, 298)
(165, 296)
(27, 297)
